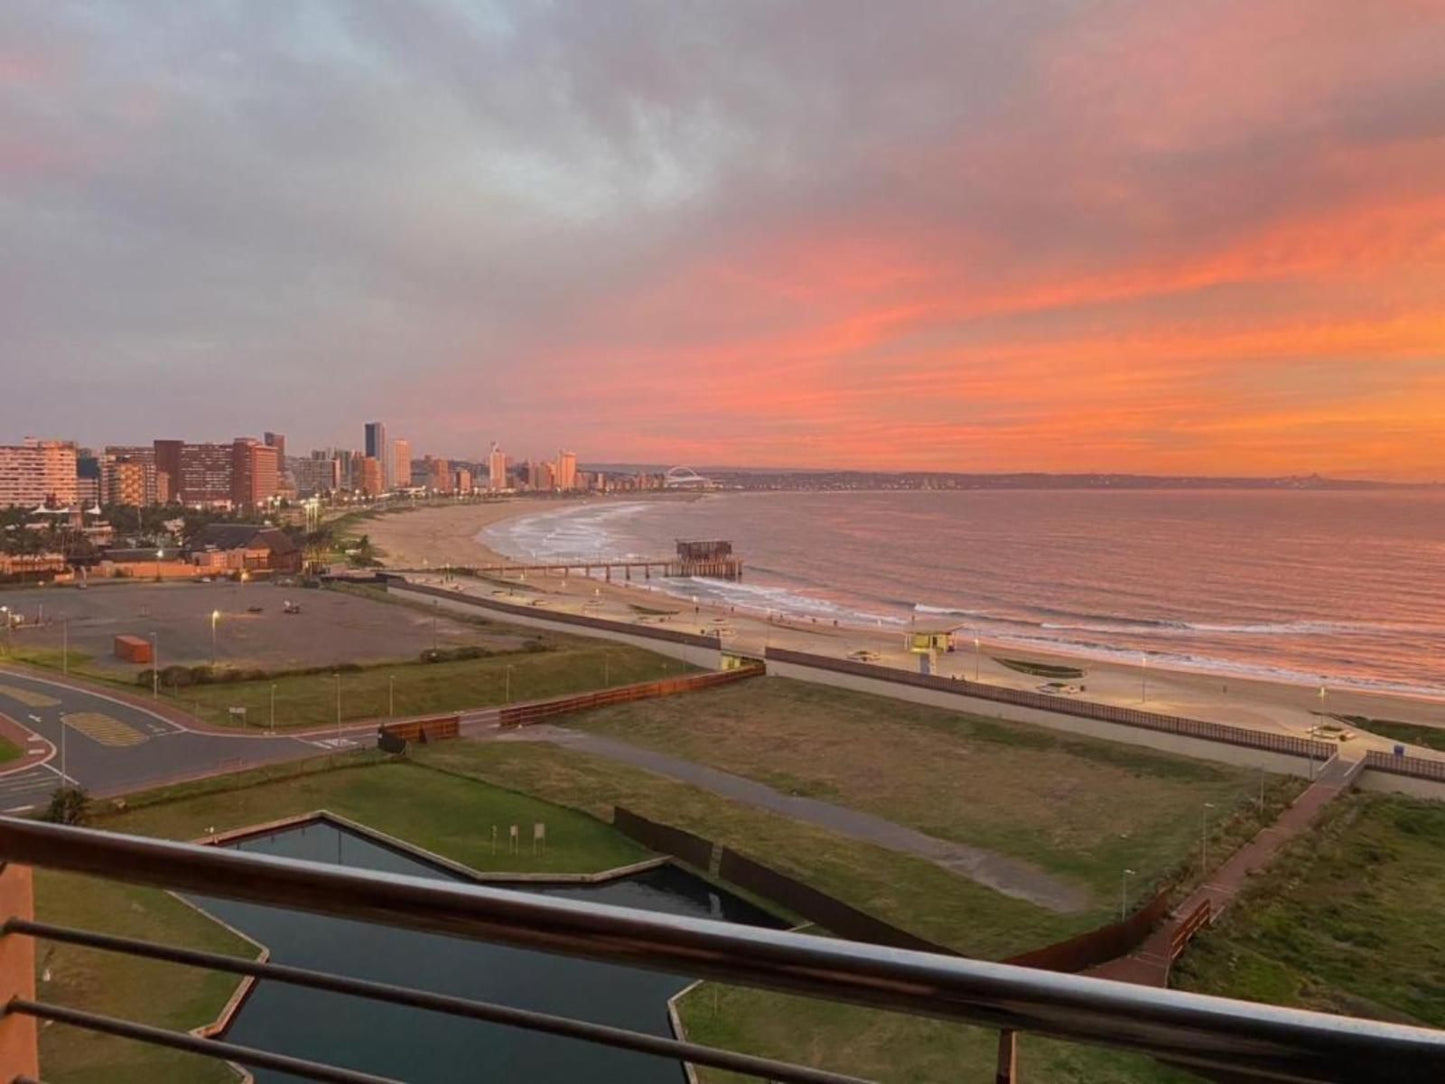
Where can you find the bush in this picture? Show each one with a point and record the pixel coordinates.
(454, 654)
(68, 805)
(176, 677)
(203, 674)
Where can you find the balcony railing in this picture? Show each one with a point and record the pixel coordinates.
(1218, 1038)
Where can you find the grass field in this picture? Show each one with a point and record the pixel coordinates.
(1431, 737)
(1348, 919)
(8, 751)
(1080, 808)
(424, 688)
(445, 814)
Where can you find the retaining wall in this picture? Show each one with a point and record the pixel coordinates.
(1281, 753)
(1417, 777)
(701, 651)
(664, 838)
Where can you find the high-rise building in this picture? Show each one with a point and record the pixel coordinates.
(438, 475)
(461, 481)
(370, 482)
(255, 476)
(400, 463)
(377, 448)
(318, 473)
(496, 469)
(38, 472)
(277, 441)
(138, 455)
(87, 478)
(543, 476)
(566, 470)
(168, 470)
(127, 481)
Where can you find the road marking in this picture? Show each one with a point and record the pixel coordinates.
(103, 728)
(28, 698)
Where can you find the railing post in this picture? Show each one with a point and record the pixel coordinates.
(19, 1053)
(1008, 1057)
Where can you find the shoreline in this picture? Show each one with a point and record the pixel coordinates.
(447, 536)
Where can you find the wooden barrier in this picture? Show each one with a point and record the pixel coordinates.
(434, 728)
(529, 714)
(1107, 713)
(1188, 927)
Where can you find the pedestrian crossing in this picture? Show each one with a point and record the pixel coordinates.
(104, 729)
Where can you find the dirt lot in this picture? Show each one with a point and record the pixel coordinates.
(331, 628)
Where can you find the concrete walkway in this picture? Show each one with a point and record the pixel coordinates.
(1149, 964)
(1010, 876)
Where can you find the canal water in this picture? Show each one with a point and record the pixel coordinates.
(425, 1047)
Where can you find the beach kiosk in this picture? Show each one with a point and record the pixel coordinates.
(928, 642)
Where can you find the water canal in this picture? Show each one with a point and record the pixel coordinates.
(425, 1047)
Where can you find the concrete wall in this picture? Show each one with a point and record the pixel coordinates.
(1391, 783)
(1222, 752)
(708, 658)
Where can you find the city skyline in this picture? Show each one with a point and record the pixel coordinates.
(1134, 237)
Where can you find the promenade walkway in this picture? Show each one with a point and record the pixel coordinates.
(1149, 964)
(1010, 876)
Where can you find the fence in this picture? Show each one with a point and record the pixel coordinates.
(650, 632)
(528, 714)
(1099, 945)
(664, 838)
(1107, 713)
(1188, 927)
(1418, 767)
(425, 730)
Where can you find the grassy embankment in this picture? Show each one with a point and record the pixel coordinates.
(1080, 808)
(448, 815)
(1347, 920)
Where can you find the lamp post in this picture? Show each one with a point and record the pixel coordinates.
(215, 616)
(1124, 894)
(65, 647)
(338, 709)
(977, 656)
(155, 670)
(507, 685)
(273, 707)
(159, 554)
(391, 696)
(5, 615)
(1204, 838)
(1143, 679)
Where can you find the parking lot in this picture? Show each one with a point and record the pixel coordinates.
(251, 629)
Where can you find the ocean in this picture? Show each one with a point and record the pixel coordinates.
(1339, 588)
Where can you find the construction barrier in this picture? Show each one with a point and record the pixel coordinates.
(435, 728)
(528, 714)
(1107, 713)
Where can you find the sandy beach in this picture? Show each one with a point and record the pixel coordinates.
(432, 538)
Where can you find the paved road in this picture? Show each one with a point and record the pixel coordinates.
(1010, 876)
(111, 747)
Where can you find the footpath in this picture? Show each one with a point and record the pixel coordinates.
(1149, 964)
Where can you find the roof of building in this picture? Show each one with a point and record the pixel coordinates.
(243, 536)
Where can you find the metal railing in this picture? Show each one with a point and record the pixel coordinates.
(1217, 1037)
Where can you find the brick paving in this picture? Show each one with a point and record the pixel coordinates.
(1148, 965)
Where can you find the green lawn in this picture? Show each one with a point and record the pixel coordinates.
(155, 993)
(1431, 737)
(446, 814)
(891, 1047)
(8, 751)
(1080, 808)
(415, 688)
(1348, 920)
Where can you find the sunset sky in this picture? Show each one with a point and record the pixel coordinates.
(1155, 236)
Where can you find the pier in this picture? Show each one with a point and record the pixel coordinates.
(710, 559)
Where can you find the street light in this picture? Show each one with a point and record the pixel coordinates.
(1204, 838)
(273, 707)
(215, 616)
(338, 709)
(155, 670)
(65, 651)
(159, 554)
(1143, 679)
(977, 656)
(507, 685)
(391, 696)
(1124, 894)
(5, 613)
